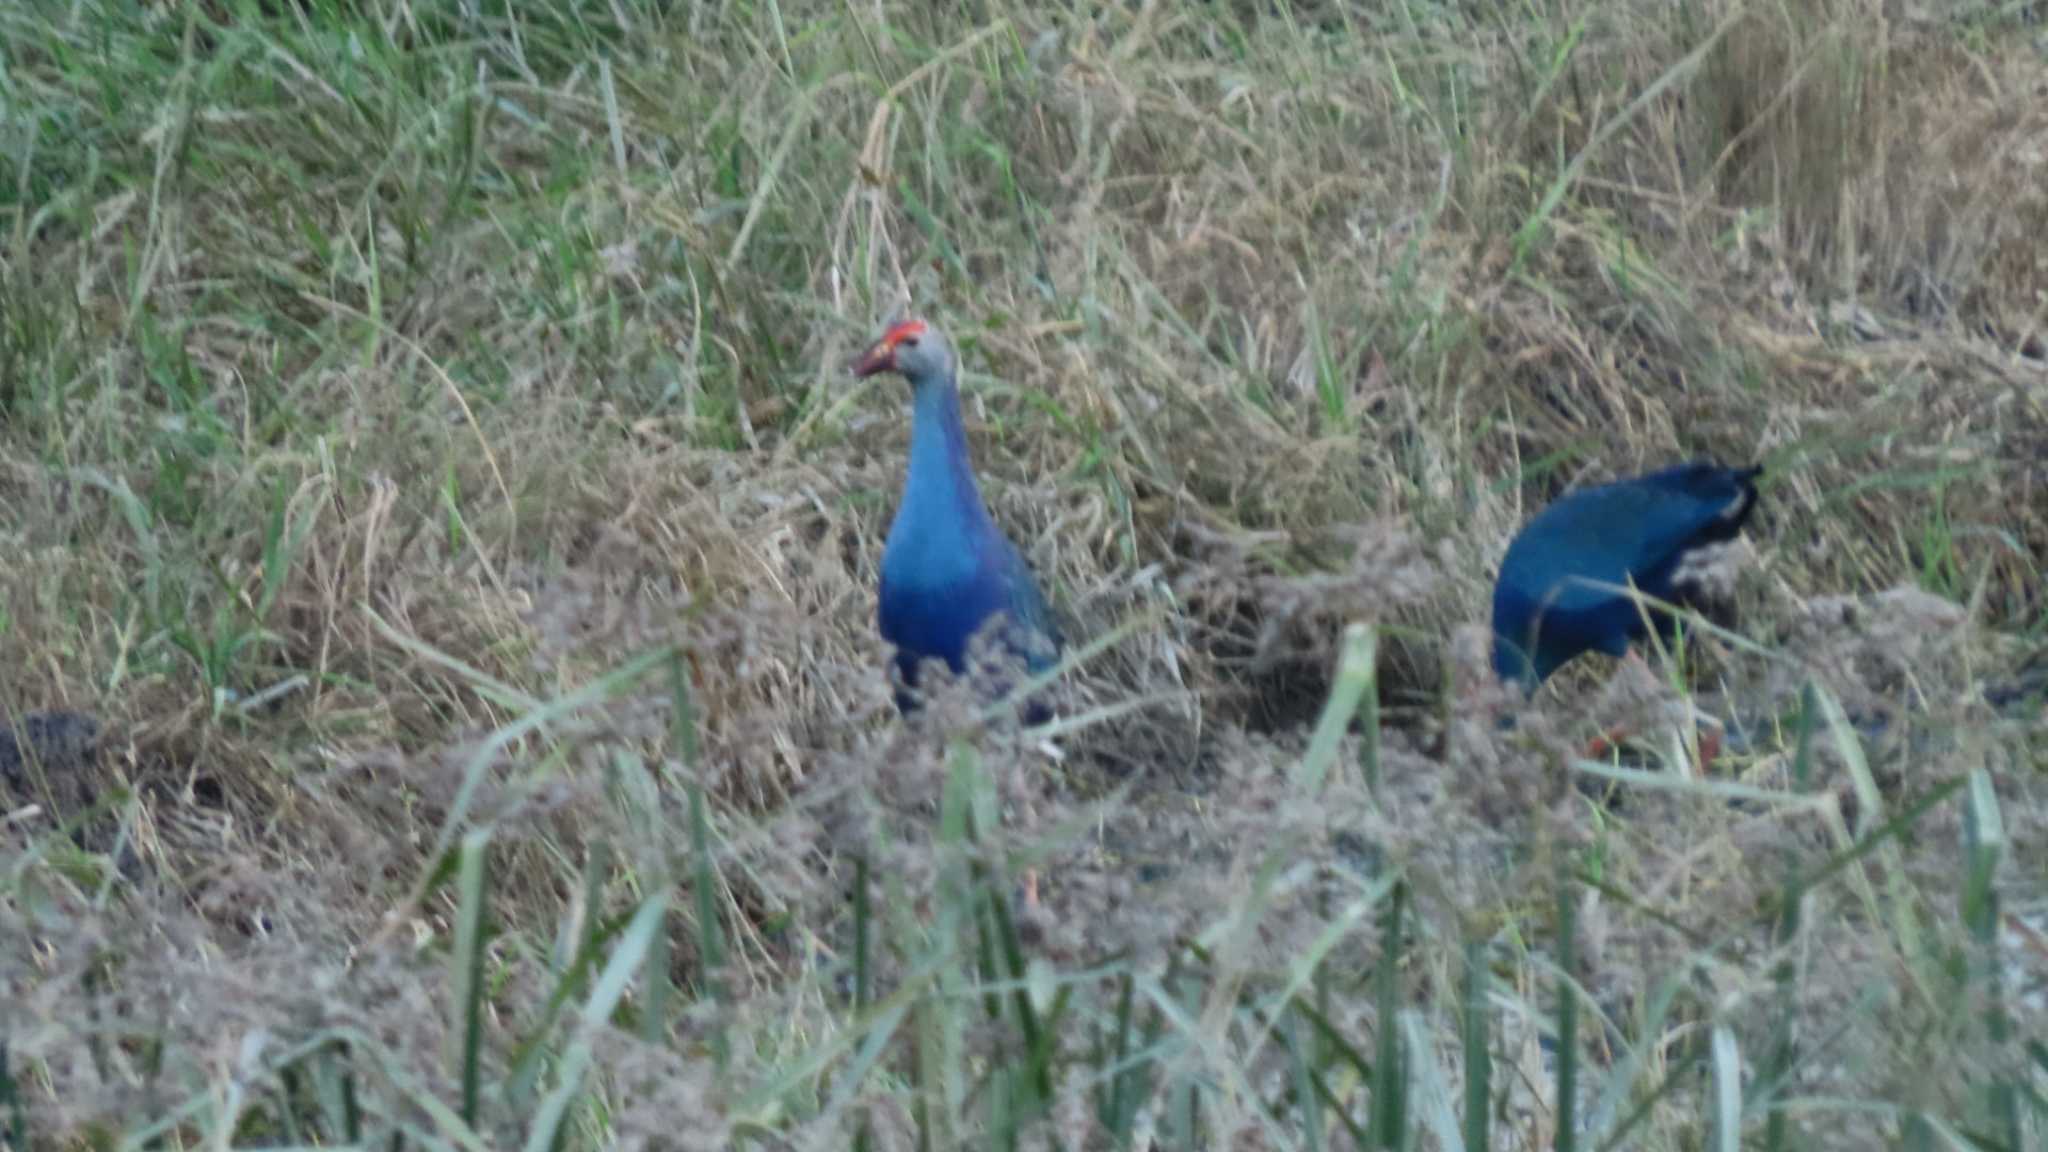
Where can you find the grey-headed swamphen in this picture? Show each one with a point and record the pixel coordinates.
(947, 569)
(1563, 586)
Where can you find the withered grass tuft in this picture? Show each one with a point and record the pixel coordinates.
(425, 447)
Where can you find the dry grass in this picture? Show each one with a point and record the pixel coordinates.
(424, 446)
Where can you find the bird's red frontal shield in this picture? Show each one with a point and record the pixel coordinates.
(881, 355)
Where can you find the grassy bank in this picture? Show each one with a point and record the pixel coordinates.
(425, 445)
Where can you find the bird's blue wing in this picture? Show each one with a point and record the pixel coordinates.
(1028, 608)
(1571, 564)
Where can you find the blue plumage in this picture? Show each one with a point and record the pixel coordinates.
(947, 569)
(1561, 588)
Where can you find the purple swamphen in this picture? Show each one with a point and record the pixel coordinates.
(1562, 588)
(946, 568)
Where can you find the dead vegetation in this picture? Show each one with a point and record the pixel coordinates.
(424, 443)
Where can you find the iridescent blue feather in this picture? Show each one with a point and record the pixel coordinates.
(1561, 588)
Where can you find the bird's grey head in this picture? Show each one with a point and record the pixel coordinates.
(915, 350)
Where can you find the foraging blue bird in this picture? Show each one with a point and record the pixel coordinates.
(946, 568)
(1562, 588)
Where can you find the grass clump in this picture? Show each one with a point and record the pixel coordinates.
(424, 449)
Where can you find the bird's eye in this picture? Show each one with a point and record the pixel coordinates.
(909, 341)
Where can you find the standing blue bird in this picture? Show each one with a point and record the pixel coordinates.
(946, 568)
(1562, 588)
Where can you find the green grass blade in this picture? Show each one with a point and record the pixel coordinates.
(1984, 842)
(1784, 1055)
(1354, 676)
(1369, 715)
(1390, 1105)
(626, 959)
(11, 1100)
(1436, 1111)
(472, 887)
(1567, 1016)
(1306, 1099)
(704, 884)
(863, 916)
(1726, 1112)
(1884, 834)
(1478, 1047)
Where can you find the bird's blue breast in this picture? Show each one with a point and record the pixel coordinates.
(937, 590)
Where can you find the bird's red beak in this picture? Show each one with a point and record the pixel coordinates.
(880, 357)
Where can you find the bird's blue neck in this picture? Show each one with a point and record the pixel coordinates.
(940, 486)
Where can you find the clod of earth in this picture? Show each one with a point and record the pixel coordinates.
(57, 741)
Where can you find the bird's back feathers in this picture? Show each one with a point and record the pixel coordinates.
(1562, 585)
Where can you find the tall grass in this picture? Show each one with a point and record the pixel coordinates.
(424, 442)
